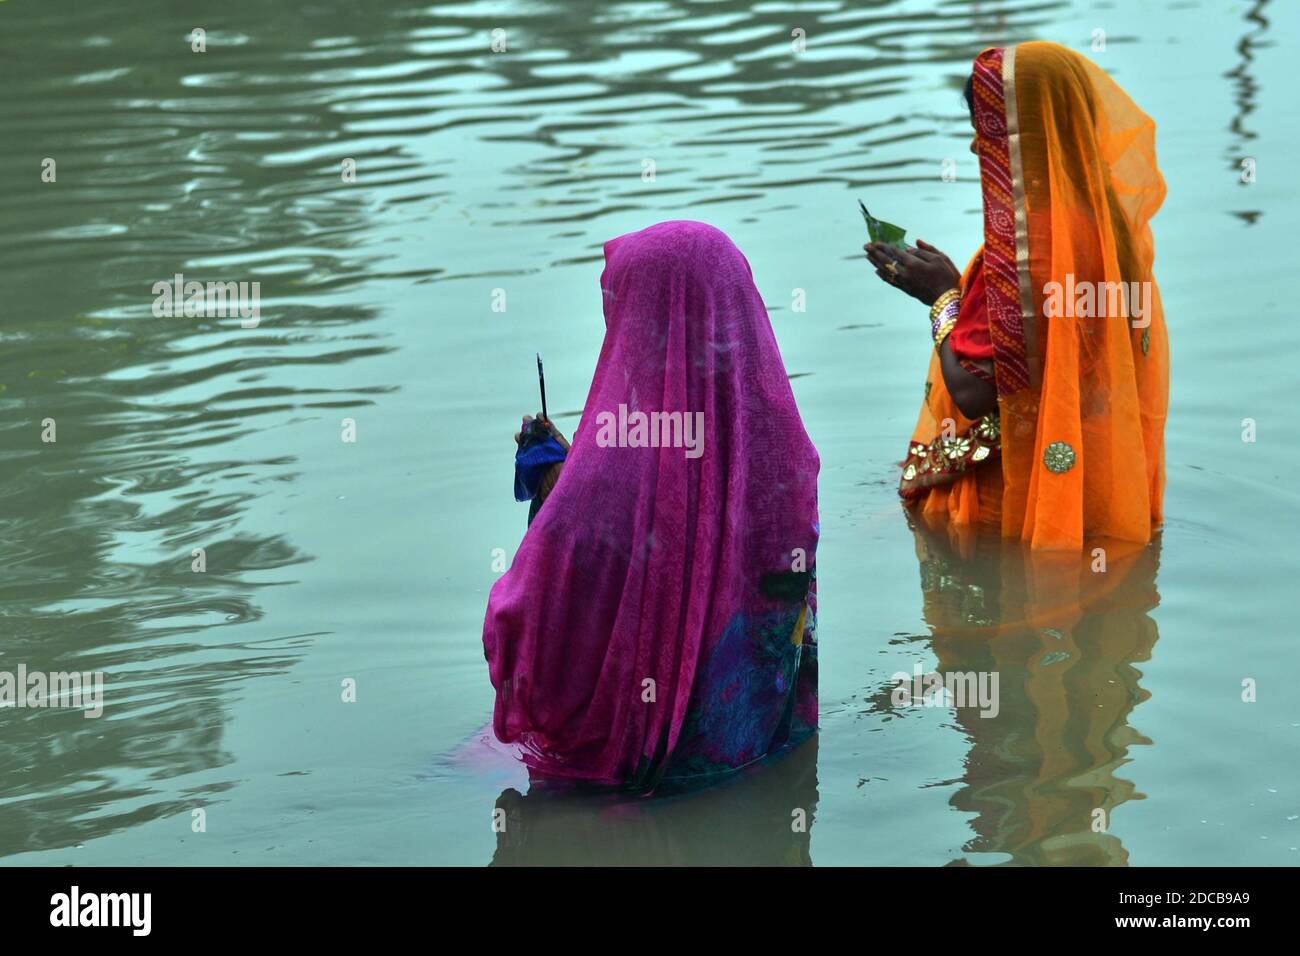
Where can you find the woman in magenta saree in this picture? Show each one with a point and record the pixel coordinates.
(656, 627)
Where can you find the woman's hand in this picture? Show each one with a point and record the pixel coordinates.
(548, 425)
(553, 473)
(922, 272)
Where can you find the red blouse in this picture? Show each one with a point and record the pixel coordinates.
(969, 338)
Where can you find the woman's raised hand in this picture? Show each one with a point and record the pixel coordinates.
(923, 272)
(550, 427)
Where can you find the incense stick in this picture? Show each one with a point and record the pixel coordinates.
(541, 383)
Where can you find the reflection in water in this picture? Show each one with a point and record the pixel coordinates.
(1063, 640)
(686, 85)
(183, 433)
(1246, 89)
(1243, 79)
(166, 163)
(763, 818)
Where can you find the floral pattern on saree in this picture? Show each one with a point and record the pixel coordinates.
(946, 459)
(755, 697)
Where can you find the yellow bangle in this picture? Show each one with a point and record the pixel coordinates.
(941, 303)
(943, 331)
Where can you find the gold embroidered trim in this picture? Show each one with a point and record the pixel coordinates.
(1028, 317)
(946, 459)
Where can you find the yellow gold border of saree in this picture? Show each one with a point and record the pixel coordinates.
(1028, 316)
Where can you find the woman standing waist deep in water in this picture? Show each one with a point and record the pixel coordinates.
(1045, 401)
(657, 625)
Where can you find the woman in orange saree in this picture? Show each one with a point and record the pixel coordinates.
(1046, 395)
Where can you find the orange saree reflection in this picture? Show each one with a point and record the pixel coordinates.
(1043, 773)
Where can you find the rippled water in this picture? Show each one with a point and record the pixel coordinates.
(480, 171)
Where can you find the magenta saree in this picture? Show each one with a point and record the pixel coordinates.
(657, 624)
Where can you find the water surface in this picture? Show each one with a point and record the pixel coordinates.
(480, 171)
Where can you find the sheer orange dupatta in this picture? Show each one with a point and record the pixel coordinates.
(1070, 183)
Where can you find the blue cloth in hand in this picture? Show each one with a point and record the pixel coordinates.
(531, 462)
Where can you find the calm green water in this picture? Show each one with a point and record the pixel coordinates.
(371, 560)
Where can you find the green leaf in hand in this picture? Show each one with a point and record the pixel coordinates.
(881, 231)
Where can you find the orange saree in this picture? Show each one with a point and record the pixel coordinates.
(1075, 449)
